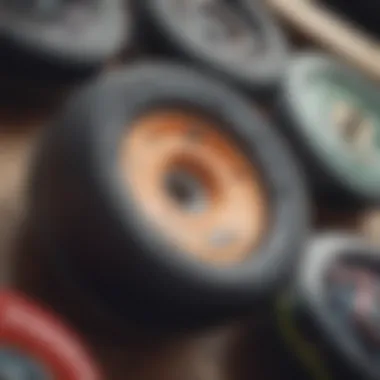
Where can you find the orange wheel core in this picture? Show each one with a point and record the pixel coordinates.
(195, 185)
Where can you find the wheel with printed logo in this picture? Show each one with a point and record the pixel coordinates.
(35, 345)
(331, 115)
(194, 190)
(327, 322)
(60, 40)
(239, 40)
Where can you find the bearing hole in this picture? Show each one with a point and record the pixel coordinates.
(190, 185)
(186, 191)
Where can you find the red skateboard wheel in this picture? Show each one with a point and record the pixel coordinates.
(35, 342)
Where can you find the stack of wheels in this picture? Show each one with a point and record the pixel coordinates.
(326, 323)
(237, 40)
(36, 345)
(330, 113)
(365, 14)
(162, 192)
(60, 41)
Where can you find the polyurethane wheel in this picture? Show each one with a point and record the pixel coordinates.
(60, 40)
(35, 345)
(327, 322)
(239, 40)
(160, 183)
(331, 115)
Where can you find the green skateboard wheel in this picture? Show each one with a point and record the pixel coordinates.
(331, 114)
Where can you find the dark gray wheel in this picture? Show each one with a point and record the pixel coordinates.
(237, 40)
(331, 114)
(61, 39)
(193, 152)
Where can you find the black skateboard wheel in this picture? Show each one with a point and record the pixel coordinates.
(330, 114)
(239, 40)
(160, 183)
(327, 321)
(60, 40)
(35, 345)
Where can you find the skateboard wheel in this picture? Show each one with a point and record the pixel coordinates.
(327, 320)
(60, 40)
(239, 40)
(35, 345)
(330, 113)
(184, 205)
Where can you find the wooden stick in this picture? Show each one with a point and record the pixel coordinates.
(332, 32)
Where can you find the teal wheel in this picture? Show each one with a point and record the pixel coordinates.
(332, 116)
